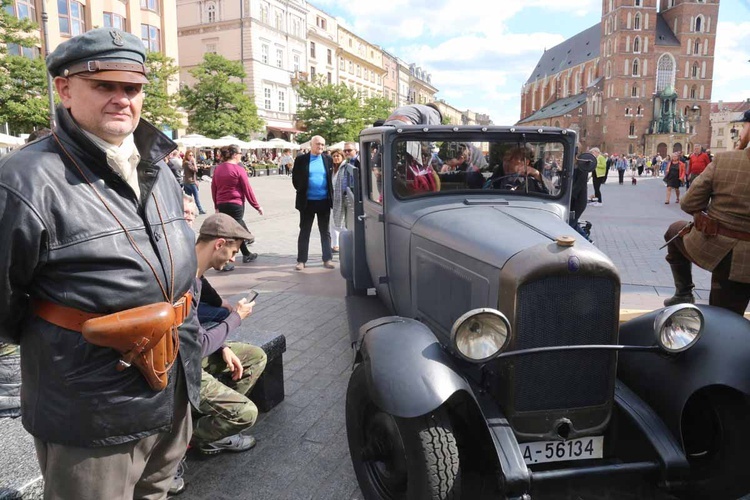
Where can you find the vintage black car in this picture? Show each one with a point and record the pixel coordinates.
(499, 368)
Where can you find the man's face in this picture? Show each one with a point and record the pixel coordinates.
(109, 110)
(350, 151)
(317, 145)
(189, 211)
(224, 250)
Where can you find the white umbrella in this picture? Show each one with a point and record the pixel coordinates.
(279, 143)
(7, 141)
(255, 144)
(338, 145)
(228, 140)
(195, 141)
(304, 145)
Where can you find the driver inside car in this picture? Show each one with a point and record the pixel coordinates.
(519, 174)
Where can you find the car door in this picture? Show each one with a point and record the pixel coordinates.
(371, 161)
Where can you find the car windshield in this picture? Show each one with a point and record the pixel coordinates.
(422, 168)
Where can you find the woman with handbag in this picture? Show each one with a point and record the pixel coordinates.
(674, 177)
(230, 189)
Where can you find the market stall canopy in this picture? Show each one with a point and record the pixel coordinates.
(282, 144)
(8, 141)
(228, 140)
(195, 141)
(255, 144)
(338, 145)
(305, 145)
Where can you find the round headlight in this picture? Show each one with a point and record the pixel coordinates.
(481, 334)
(678, 327)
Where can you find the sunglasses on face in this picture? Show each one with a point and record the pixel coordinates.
(347, 151)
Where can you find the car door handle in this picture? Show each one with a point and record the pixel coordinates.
(361, 218)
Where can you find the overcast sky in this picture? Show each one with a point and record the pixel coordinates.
(480, 53)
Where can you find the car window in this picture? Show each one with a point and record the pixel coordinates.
(372, 160)
(423, 168)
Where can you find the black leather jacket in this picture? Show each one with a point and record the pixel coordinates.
(61, 244)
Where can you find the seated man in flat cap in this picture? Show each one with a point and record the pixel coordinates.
(98, 263)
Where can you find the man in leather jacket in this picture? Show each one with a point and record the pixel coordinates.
(92, 225)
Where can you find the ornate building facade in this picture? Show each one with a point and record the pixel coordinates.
(639, 82)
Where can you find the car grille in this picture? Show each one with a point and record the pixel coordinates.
(557, 311)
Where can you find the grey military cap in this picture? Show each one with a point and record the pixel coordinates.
(101, 54)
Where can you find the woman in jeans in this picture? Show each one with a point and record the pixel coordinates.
(230, 189)
(339, 202)
(190, 179)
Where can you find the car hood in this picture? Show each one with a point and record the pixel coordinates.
(493, 234)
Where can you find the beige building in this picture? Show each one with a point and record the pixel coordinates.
(725, 124)
(421, 90)
(390, 79)
(360, 64)
(322, 43)
(268, 36)
(152, 20)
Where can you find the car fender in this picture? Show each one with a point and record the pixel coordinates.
(346, 254)
(666, 382)
(409, 373)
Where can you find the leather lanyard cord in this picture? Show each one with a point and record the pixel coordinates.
(168, 297)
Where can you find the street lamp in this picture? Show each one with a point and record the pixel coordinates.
(50, 95)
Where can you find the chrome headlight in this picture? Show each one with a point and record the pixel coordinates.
(481, 334)
(678, 328)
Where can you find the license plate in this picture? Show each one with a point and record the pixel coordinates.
(559, 451)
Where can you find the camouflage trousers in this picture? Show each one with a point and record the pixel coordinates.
(225, 409)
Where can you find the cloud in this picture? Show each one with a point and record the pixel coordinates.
(731, 62)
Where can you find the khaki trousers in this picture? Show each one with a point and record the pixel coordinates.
(141, 469)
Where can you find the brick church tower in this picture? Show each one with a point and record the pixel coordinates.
(648, 70)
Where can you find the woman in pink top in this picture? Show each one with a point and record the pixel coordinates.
(229, 190)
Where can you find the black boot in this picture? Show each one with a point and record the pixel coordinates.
(683, 283)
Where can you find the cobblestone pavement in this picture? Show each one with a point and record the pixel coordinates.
(302, 450)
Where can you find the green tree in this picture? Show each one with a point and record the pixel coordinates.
(23, 81)
(23, 94)
(159, 105)
(216, 104)
(336, 112)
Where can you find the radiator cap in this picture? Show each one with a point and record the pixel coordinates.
(565, 241)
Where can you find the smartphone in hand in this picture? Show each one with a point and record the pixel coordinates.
(251, 296)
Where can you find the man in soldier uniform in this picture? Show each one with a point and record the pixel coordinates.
(93, 233)
(719, 241)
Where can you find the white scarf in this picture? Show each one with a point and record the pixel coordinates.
(123, 159)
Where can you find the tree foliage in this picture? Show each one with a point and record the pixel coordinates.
(336, 112)
(159, 105)
(23, 94)
(23, 81)
(216, 104)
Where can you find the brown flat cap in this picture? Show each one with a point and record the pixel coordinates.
(223, 226)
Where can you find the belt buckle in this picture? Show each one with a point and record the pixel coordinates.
(92, 66)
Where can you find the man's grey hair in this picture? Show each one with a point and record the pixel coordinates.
(352, 145)
(595, 151)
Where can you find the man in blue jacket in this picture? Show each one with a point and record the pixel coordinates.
(312, 178)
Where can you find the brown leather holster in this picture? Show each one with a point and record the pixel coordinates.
(146, 336)
(711, 227)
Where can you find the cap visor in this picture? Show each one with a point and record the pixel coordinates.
(115, 76)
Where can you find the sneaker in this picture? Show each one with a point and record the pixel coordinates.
(249, 258)
(228, 267)
(300, 266)
(178, 485)
(596, 204)
(335, 249)
(329, 264)
(202, 212)
(236, 443)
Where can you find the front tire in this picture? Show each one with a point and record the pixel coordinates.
(400, 458)
(716, 439)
